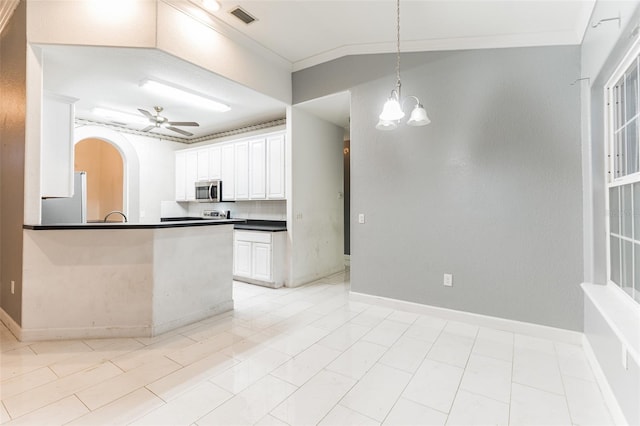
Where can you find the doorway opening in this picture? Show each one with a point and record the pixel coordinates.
(104, 166)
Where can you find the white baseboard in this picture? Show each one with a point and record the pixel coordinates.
(310, 279)
(543, 331)
(258, 282)
(40, 334)
(11, 324)
(347, 260)
(194, 317)
(607, 392)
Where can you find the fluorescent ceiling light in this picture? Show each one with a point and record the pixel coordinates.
(173, 92)
(119, 116)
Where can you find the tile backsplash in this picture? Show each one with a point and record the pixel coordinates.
(265, 210)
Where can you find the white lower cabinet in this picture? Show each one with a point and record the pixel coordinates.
(242, 259)
(258, 257)
(261, 266)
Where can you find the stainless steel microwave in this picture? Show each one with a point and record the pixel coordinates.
(209, 191)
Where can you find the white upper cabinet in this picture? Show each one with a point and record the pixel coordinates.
(192, 175)
(215, 163)
(257, 169)
(241, 170)
(181, 176)
(57, 161)
(203, 164)
(227, 172)
(276, 167)
(250, 169)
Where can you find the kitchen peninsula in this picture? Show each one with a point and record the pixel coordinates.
(124, 280)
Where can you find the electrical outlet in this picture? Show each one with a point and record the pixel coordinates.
(448, 280)
(361, 218)
(13, 287)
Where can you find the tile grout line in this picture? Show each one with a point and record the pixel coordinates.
(412, 374)
(464, 370)
(513, 363)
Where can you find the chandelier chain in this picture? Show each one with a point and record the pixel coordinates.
(398, 45)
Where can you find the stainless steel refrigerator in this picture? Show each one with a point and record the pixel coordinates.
(68, 210)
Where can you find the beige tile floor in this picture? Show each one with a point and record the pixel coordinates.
(302, 356)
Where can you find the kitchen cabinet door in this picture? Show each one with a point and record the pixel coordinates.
(261, 261)
(226, 172)
(257, 169)
(242, 259)
(181, 176)
(57, 168)
(241, 170)
(214, 162)
(191, 174)
(203, 164)
(276, 167)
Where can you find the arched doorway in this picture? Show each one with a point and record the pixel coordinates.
(104, 166)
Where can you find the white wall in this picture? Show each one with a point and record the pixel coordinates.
(161, 24)
(165, 25)
(602, 50)
(315, 217)
(149, 170)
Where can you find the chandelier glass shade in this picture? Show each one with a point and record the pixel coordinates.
(392, 111)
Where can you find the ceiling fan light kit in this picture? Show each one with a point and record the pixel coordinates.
(392, 111)
(172, 92)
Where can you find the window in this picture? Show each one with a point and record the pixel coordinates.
(623, 176)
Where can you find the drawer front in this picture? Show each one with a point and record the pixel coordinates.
(253, 236)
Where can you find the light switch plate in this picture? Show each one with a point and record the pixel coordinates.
(361, 218)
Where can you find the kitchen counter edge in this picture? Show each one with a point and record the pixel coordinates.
(120, 225)
(262, 225)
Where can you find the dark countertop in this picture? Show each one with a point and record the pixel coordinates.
(121, 225)
(262, 225)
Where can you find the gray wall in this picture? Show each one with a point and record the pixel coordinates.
(490, 191)
(13, 50)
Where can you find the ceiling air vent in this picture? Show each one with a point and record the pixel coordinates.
(242, 15)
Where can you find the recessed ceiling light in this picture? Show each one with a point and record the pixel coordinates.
(119, 116)
(175, 92)
(211, 5)
(208, 5)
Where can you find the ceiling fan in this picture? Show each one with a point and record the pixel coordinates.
(159, 121)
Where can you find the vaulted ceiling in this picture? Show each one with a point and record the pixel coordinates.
(304, 33)
(308, 32)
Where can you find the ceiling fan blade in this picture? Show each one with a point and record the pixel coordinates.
(146, 129)
(182, 132)
(146, 113)
(183, 123)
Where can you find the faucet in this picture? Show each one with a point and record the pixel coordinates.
(118, 212)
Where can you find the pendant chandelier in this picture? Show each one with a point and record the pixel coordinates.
(392, 111)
